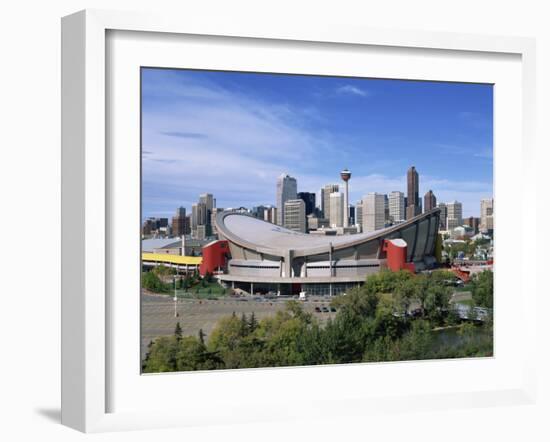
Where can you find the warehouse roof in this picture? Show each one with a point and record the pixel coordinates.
(171, 259)
(149, 245)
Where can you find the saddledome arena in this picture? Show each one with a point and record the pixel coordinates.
(266, 257)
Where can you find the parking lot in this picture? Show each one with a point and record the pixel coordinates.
(158, 319)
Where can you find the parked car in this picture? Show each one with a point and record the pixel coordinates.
(317, 309)
(324, 309)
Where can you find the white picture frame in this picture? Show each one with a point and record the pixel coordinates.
(86, 206)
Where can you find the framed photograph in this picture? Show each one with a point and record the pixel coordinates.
(321, 220)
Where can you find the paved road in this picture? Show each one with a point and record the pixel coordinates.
(158, 319)
(157, 314)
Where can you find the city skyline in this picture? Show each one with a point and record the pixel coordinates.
(296, 125)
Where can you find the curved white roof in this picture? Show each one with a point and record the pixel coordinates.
(256, 234)
(267, 235)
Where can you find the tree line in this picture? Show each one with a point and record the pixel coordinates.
(373, 323)
(160, 280)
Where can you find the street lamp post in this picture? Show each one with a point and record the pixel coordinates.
(175, 299)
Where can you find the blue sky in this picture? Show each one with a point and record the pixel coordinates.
(232, 134)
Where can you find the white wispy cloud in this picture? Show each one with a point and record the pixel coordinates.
(222, 142)
(456, 149)
(352, 90)
(207, 139)
(484, 153)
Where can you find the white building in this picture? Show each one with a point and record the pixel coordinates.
(336, 209)
(359, 215)
(486, 218)
(287, 189)
(397, 206)
(325, 198)
(295, 215)
(373, 212)
(454, 215)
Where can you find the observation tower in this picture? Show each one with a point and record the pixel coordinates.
(346, 176)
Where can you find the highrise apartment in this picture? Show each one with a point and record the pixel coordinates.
(359, 214)
(373, 212)
(396, 202)
(295, 215)
(486, 218)
(336, 209)
(454, 215)
(325, 198)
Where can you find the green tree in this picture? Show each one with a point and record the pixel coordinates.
(421, 284)
(201, 336)
(360, 301)
(405, 293)
(252, 323)
(225, 335)
(162, 270)
(150, 281)
(178, 331)
(482, 289)
(437, 302)
(297, 311)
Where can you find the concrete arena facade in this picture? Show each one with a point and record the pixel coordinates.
(267, 256)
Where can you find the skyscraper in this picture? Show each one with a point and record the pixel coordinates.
(336, 209)
(295, 215)
(346, 176)
(180, 223)
(194, 216)
(486, 218)
(215, 211)
(442, 216)
(208, 200)
(430, 202)
(373, 212)
(209, 203)
(309, 200)
(359, 214)
(413, 204)
(454, 215)
(396, 202)
(325, 200)
(286, 190)
(200, 217)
